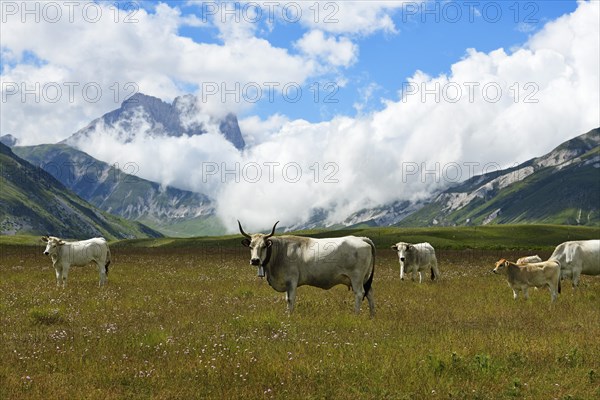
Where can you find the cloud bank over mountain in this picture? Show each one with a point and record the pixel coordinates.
(491, 111)
(129, 48)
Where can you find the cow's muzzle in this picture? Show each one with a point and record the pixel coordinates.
(255, 261)
(46, 253)
(402, 259)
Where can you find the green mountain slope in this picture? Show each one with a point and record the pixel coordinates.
(34, 202)
(172, 211)
(561, 187)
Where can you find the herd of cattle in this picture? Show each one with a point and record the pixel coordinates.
(290, 261)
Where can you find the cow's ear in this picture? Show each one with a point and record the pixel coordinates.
(506, 263)
(61, 242)
(395, 248)
(45, 239)
(246, 242)
(269, 243)
(410, 247)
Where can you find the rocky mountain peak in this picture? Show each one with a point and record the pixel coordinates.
(570, 149)
(149, 114)
(8, 140)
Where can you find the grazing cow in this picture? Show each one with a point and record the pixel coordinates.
(522, 277)
(67, 254)
(417, 258)
(529, 259)
(292, 261)
(578, 257)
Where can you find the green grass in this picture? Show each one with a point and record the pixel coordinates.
(494, 237)
(45, 316)
(19, 240)
(190, 321)
(198, 226)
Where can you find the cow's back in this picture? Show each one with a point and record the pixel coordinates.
(591, 257)
(321, 262)
(342, 253)
(426, 253)
(84, 251)
(534, 274)
(584, 254)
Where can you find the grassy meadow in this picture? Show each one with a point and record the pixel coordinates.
(189, 319)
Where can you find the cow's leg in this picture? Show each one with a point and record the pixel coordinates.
(65, 274)
(420, 277)
(525, 293)
(515, 294)
(576, 275)
(290, 297)
(102, 270)
(435, 272)
(359, 294)
(58, 270)
(553, 291)
(556, 288)
(371, 302)
(401, 271)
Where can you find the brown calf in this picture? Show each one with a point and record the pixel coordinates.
(522, 277)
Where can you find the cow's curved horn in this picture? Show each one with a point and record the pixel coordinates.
(273, 231)
(242, 230)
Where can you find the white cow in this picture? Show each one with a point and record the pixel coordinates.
(529, 259)
(292, 261)
(417, 258)
(67, 254)
(578, 257)
(522, 277)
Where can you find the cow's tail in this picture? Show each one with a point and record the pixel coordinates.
(559, 274)
(559, 284)
(108, 257)
(369, 282)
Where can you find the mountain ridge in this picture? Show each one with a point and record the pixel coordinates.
(144, 114)
(559, 187)
(552, 188)
(33, 202)
(117, 192)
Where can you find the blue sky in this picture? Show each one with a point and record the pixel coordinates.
(429, 36)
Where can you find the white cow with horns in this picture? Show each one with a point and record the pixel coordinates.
(417, 258)
(291, 261)
(67, 254)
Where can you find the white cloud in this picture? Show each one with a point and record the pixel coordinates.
(365, 96)
(353, 17)
(556, 77)
(337, 52)
(360, 18)
(185, 162)
(147, 55)
(257, 131)
(121, 50)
